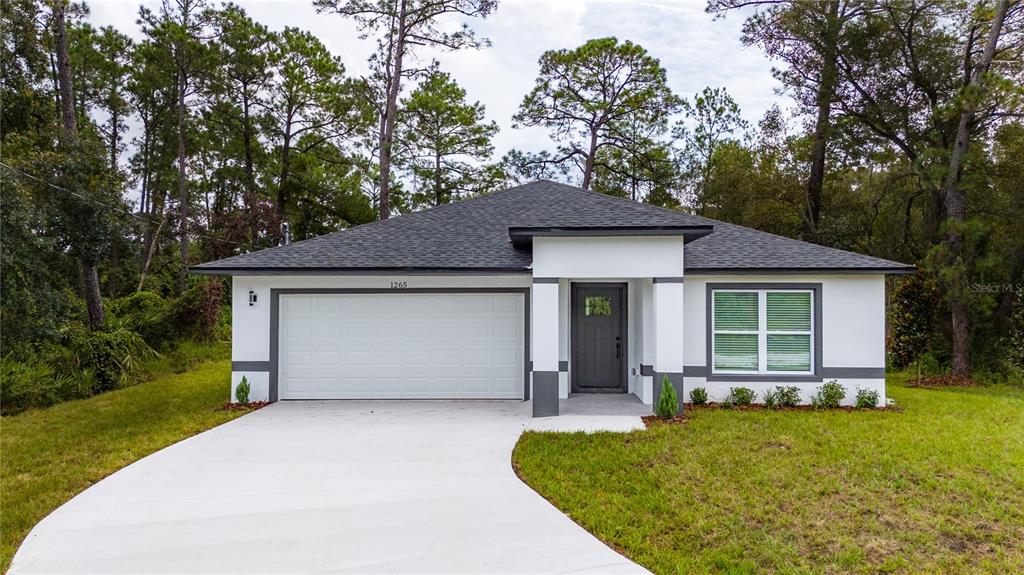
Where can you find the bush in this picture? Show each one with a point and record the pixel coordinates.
(866, 399)
(913, 319)
(829, 395)
(699, 396)
(31, 384)
(741, 396)
(771, 398)
(242, 391)
(788, 396)
(668, 403)
(115, 356)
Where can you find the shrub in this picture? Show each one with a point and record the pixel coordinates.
(740, 396)
(31, 384)
(788, 396)
(699, 396)
(913, 319)
(771, 398)
(829, 395)
(242, 391)
(114, 356)
(668, 403)
(866, 399)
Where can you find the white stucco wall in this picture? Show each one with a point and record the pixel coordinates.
(608, 257)
(853, 330)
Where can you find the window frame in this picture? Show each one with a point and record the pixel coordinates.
(813, 334)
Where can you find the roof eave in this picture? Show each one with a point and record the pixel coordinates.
(349, 271)
(523, 236)
(883, 270)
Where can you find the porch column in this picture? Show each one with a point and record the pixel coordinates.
(544, 346)
(668, 334)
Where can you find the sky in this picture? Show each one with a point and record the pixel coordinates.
(696, 49)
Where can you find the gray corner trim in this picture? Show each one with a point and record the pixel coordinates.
(563, 366)
(529, 365)
(676, 379)
(646, 370)
(695, 370)
(667, 280)
(275, 323)
(853, 372)
(545, 280)
(545, 393)
(250, 366)
(708, 320)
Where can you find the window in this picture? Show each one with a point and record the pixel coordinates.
(597, 305)
(762, 331)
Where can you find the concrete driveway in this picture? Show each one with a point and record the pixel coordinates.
(359, 487)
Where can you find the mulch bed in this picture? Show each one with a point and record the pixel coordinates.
(652, 420)
(251, 406)
(947, 380)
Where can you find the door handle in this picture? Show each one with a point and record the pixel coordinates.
(618, 348)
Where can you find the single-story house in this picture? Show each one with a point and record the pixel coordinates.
(544, 290)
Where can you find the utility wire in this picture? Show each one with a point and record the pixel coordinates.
(126, 211)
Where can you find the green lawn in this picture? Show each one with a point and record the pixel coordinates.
(936, 488)
(49, 455)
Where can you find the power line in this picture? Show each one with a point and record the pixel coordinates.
(126, 211)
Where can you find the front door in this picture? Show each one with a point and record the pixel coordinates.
(598, 338)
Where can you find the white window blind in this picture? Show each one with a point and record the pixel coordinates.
(762, 331)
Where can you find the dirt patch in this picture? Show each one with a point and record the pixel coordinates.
(652, 420)
(947, 380)
(251, 406)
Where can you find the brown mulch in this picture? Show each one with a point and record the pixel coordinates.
(652, 420)
(762, 407)
(946, 380)
(251, 406)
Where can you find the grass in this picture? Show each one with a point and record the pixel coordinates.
(52, 454)
(935, 488)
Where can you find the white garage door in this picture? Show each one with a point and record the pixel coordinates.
(401, 346)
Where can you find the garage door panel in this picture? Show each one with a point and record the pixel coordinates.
(401, 346)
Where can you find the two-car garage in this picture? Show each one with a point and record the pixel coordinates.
(400, 345)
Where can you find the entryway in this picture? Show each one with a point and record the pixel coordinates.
(598, 338)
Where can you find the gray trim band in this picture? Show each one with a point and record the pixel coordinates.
(275, 323)
(826, 373)
(563, 365)
(853, 372)
(545, 280)
(695, 370)
(708, 321)
(250, 366)
(646, 370)
(545, 393)
(667, 280)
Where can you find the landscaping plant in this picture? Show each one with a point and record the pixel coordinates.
(866, 399)
(789, 396)
(668, 403)
(771, 398)
(741, 396)
(699, 396)
(242, 391)
(829, 395)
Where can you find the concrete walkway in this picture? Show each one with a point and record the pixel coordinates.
(357, 487)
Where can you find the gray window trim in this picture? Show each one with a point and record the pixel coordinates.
(708, 321)
(275, 317)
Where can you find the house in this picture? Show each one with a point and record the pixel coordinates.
(544, 290)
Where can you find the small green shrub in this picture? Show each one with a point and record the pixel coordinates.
(741, 396)
(771, 398)
(829, 395)
(242, 391)
(788, 396)
(866, 399)
(668, 402)
(27, 385)
(699, 396)
(115, 356)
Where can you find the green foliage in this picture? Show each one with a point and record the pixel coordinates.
(242, 391)
(739, 396)
(668, 402)
(1015, 352)
(788, 396)
(829, 395)
(771, 398)
(116, 356)
(699, 396)
(866, 399)
(28, 385)
(913, 319)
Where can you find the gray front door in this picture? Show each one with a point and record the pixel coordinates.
(598, 338)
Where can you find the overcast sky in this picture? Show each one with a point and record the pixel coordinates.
(694, 48)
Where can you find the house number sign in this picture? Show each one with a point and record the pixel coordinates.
(399, 285)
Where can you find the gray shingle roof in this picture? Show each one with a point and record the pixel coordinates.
(474, 235)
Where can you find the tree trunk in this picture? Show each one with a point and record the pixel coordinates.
(956, 205)
(67, 99)
(588, 168)
(149, 257)
(114, 121)
(93, 301)
(182, 183)
(390, 108)
(438, 199)
(286, 153)
(250, 179)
